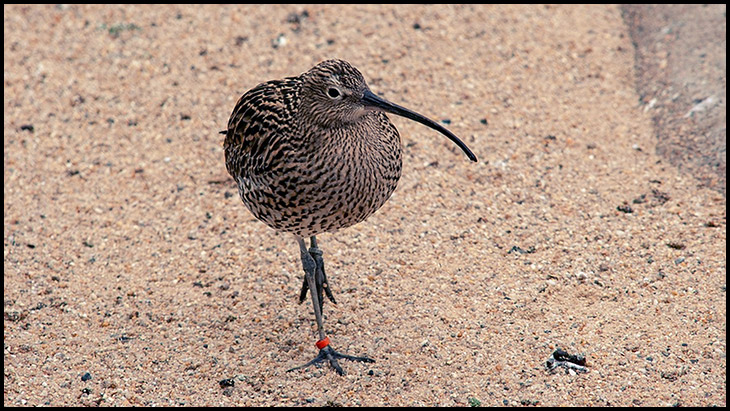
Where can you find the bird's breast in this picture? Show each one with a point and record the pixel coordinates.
(327, 179)
(352, 173)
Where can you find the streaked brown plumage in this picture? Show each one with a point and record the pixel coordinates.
(313, 154)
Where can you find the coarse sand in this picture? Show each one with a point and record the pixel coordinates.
(134, 275)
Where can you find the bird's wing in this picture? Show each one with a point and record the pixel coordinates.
(262, 116)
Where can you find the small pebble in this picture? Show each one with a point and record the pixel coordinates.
(228, 382)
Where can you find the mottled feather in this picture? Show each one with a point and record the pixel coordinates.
(305, 165)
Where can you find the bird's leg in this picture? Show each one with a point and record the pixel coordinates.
(325, 351)
(320, 277)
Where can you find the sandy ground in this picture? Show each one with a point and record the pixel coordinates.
(133, 275)
(682, 79)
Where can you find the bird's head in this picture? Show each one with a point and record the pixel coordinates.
(332, 93)
(335, 94)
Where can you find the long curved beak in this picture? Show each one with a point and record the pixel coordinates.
(371, 100)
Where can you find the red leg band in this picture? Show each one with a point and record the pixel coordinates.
(323, 343)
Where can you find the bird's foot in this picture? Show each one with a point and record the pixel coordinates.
(326, 353)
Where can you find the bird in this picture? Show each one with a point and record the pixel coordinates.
(313, 154)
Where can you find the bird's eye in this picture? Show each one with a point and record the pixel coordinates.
(333, 92)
